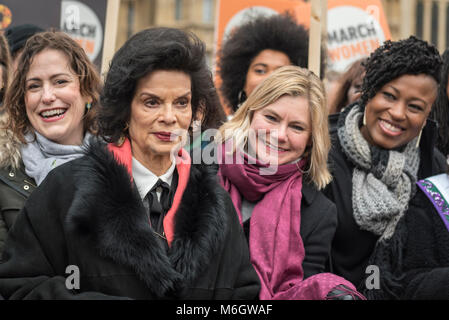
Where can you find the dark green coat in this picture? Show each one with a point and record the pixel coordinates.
(15, 187)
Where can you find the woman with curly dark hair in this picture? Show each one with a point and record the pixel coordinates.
(135, 217)
(257, 48)
(50, 110)
(382, 145)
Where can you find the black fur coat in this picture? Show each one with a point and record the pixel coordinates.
(88, 214)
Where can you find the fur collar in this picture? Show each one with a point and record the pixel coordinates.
(118, 224)
(10, 156)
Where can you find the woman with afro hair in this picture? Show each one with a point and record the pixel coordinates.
(257, 48)
(390, 242)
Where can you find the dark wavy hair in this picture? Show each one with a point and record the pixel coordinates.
(397, 58)
(355, 71)
(5, 65)
(278, 32)
(147, 51)
(80, 64)
(440, 110)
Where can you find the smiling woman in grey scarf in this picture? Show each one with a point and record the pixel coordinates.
(383, 144)
(50, 110)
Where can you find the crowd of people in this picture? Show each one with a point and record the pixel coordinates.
(303, 191)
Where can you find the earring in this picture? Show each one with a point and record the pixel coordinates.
(88, 106)
(419, 136)
(122, 138)
(364, 117)
(242, 96)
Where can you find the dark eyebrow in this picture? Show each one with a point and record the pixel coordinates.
(185, 95)
(414, 98)
(260, 64)
(395, 90)
(150, 94)
(52, 77)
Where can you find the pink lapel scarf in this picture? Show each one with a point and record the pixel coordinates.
(275, 244)
(276, 247)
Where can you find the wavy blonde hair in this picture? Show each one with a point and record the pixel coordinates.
(292, 81)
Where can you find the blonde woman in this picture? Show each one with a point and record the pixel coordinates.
(273, 164)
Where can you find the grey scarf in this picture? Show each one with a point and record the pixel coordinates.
(41, 155)
(383, 181)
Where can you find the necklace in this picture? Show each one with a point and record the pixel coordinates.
(160, 235)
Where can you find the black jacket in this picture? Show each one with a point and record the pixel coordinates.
(414, 264)
(318, 225)
(88, 214)
(352, 247)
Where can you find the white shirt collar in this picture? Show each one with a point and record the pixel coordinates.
(145, 179)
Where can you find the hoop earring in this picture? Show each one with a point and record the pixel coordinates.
(241, 98)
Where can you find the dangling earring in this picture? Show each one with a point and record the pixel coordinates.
(88, 106)
(419, 135)
(364, 117)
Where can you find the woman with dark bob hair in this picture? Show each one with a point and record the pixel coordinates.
(383, 144)
(134, 217)
(50, 111)
(125, 72)
(122, 78)
(257, 48)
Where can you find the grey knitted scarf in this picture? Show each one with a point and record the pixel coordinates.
(383, 181)
(41, 155)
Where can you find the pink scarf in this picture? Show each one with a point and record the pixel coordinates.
(275, 244)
